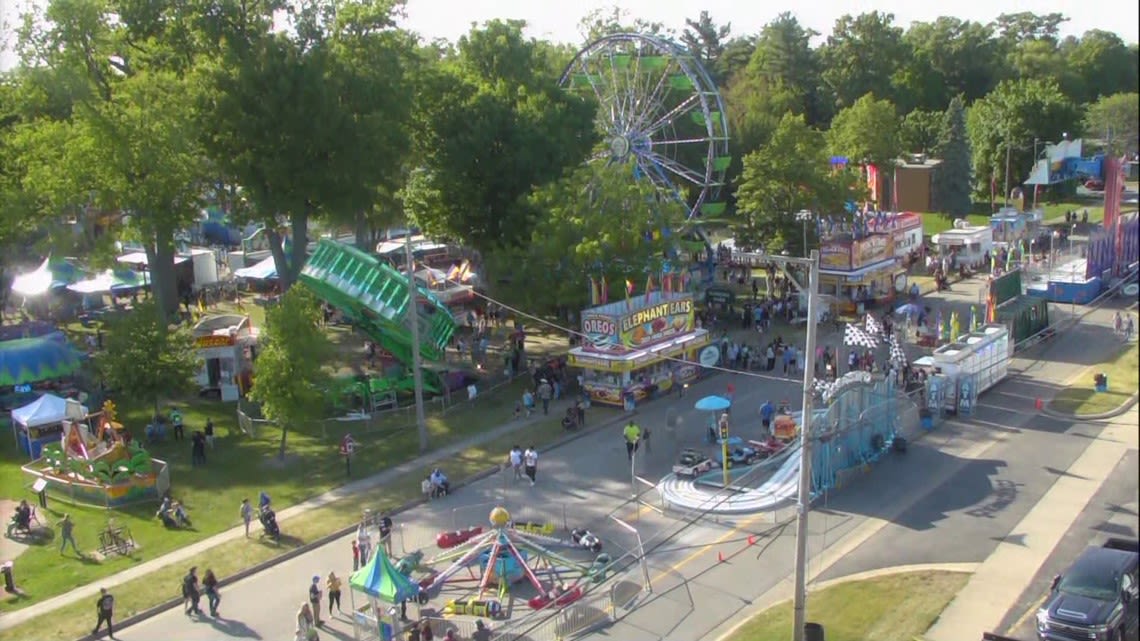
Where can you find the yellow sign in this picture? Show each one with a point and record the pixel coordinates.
(873, 249)
(216, 340)
(653, 324)
(835, 256)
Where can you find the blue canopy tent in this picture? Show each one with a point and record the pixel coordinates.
(30, 360)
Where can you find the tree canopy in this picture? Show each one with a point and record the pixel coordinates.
(146, 358)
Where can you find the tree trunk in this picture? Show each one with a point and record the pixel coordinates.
(279, 261)
(284, 436)
(299, 223)
(363, 232)
(163, 280)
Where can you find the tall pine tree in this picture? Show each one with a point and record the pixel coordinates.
(953, 179)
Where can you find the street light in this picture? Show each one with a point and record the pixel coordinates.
(803, 216)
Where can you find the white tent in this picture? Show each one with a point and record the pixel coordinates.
(263, 270)
(34, 283)
(45, 410)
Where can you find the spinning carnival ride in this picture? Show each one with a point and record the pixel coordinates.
(660, 111)
(505, 554)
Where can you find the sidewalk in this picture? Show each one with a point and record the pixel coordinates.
(13, 619)
(993, 590)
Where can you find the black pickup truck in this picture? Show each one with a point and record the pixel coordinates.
(1096, 598)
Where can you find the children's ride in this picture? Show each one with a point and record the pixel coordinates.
(506, 554)
(374, 296)
(93, 463)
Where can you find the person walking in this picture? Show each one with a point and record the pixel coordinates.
(355, 555)
(246, 512)
(767, 413)
(530, 463)
(67, 535)
(315, 600)
(632, 435)
(176, 423)
(210, 586)
(197, 449)
(306, 631)
(104, 610)
(209, 431)
(332, 586)
(515, 458)
(191, 595)
(386, 532)
(364, 542)
(545, 393)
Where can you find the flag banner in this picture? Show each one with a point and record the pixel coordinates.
(648, 286)
(853, 336)
(898, 356)
(874, 327)
(628, 287)
(593, 291)
(604, 294)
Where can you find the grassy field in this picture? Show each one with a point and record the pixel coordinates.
(868, 610)
(73, 621)
(1123, 381)
(936, 223)
(239, 467)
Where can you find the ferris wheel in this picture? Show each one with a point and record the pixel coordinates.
(660, 112)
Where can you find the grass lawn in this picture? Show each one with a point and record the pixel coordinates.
(868, 610)
(238, 467)
(73, 621)
(1123, 381)
(1055, 213)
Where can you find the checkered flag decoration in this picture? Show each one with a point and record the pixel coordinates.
(898, 356)
(873, 327)
(822, 387)
(854, 336)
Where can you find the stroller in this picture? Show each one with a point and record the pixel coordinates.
(570, 421)
(268, 519)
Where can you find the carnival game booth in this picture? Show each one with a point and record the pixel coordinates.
(380, 588)
(227, 344)
(860, 272)
(967, 367)
(40, 423)
(905, 229)
(631, 347)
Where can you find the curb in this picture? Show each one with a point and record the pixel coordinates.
(156, 610)
(1124, 407)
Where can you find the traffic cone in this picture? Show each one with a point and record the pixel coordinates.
(1038, 404)
(719, 556)
(751, 539)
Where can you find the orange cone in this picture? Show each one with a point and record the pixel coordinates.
(720, 557)
(1038, 404)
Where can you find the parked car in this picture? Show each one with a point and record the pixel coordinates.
(1096, 598)
(739, 456)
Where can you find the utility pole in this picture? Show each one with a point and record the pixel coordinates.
(413, 317)
(1007, 159)
(806, 432)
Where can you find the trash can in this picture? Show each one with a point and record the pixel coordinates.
(813, 632)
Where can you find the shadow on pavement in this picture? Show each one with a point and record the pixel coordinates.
(232, 628)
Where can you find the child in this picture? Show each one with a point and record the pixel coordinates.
(355, 556)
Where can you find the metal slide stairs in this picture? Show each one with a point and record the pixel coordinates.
(374, 296)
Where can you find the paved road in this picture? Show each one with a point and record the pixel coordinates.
(584, 480)
(951, 498)
(1114, 511)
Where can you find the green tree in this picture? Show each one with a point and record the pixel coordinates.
(1115, 119)
(781, 76)
(1009, 119)
(490, 126)
(308, 121)
(951, 57)
(867, 132)
(289, 377)
(1103, 63)
(918, 131)
(706, 40)
(790, 173)
(861, 56)
(602, 222)
(146, 359)
(118, 136)
(953, 180)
